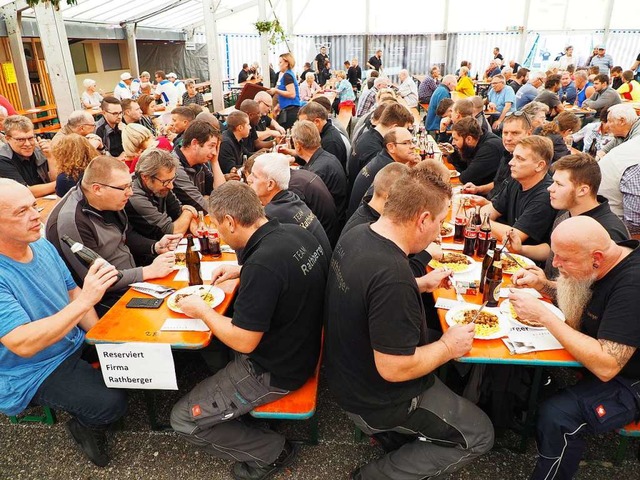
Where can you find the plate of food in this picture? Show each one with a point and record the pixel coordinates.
(509, 266)
(181, 260)
(446, 230)
(455, 261)
(213, 296)
(490, 323)
(454, 173)
(511, 314)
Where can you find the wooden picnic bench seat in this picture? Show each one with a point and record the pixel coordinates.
(297, 405)
(628, 431)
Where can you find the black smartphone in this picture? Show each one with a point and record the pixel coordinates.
(145, 303)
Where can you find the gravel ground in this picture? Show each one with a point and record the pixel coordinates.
(35, 451)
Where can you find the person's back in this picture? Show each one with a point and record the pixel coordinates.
(287, 207)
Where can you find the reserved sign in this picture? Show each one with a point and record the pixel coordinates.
(137, 365)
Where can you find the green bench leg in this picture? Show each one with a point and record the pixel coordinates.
(621, 450)
(48, 417)
(358, 435)
(313, 430)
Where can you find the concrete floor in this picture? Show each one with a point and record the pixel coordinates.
(35, 451)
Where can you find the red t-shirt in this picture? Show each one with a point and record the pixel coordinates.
(163, 144)
(6, 104)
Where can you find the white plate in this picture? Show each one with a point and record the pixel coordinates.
(218, 296)
(454, 173)
(458, 268)
(453, 230)
(523, 260)
(505, 307)
(503, 325)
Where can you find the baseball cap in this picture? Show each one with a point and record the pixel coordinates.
(126, 76)
(172, 75)
(602, 46)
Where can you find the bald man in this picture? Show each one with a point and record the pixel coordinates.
(42, 325)
(265, 101)
(599, 292)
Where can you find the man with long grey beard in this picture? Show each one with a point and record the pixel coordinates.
(599, 292)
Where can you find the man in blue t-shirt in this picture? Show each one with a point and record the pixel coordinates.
(42, 325)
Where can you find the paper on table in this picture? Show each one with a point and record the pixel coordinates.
(184, 325)
(452, 246)
(206, 269)
(51, 197)
(182, 246)
(449, 303)
(525, 340)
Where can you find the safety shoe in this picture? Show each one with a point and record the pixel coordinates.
(92, 441)
(244, 471)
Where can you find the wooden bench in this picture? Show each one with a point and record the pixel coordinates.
(48, 129)
(631, 430)
(48, 417)
(297, 405)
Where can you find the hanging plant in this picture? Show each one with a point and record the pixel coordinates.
(55, 3)
(273, 30)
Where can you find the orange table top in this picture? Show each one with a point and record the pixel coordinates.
(495, 351)
(121, 324)
(39, 109)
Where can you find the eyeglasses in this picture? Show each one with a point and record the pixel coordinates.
(114, 113)
(165, 183)
(519, 114)
(128, 186)
(23, 140)
(406, 142)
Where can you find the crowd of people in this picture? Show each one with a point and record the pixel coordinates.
(341, 243)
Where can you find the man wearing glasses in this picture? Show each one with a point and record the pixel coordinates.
(82, 123)
(26, 159)
(92, 213)
(502, 99)
(398, 147)
(266, 122)
(153, 209)
(108, 127)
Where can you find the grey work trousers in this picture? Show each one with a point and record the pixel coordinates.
(451, 432)
(209, 415)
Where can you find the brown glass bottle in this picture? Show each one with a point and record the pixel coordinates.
(492, 280)
(486, 262)
(193, 263)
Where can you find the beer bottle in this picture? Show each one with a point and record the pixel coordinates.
(84, 254)
(492, 281)
(470, 236)
(486, 262)
(483, 236)
(193, 263)
(214, 245)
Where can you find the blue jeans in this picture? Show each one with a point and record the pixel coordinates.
(76, 387)
(589, 407)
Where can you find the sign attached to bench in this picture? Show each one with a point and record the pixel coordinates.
(137, 365)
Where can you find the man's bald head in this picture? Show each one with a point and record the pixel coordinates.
(9, 191)
(249, 106)
(593, 236)
(263, 97)
(208, 118)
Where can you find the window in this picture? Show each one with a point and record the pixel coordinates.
(79, 58)
(110, 56)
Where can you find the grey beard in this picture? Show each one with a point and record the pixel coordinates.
(573, 296)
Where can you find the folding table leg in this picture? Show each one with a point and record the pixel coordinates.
(530, 415)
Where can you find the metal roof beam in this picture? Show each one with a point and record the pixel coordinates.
(226, 13)
(153, 13)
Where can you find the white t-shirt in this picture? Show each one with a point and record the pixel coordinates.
(168, 93)
(180, 87)
(122, 91)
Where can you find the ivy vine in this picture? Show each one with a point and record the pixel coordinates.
(55, 3)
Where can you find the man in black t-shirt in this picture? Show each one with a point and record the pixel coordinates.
(379, 362)
(375, 62)
(576, 179)
(275, 331)
(231, 148)
(330, 137)
(321, 58)
(312, 156)
(523, 204)
(243, 76)
(599, 293)
(269, 178)
(398, 147)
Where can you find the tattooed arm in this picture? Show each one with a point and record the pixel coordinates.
(621, 353)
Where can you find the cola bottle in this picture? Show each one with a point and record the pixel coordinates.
(483, 236)
(470, 237)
